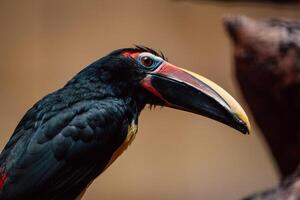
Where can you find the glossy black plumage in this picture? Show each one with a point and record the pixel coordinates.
(69, 137)
(61, 135)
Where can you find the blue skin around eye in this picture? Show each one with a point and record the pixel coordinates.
(155, 64)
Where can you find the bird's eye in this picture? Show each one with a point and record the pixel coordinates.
(147, 61)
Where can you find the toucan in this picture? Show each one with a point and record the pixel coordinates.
(72, 135)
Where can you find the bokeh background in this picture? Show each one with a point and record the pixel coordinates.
(176, 155)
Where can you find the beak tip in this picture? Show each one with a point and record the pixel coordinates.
(245, 127)
(243, 123)
(240, 122)
(246, 131)
(248, 126)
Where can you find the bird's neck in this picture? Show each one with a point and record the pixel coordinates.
(92, 88)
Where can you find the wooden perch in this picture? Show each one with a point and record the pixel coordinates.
(267, 67)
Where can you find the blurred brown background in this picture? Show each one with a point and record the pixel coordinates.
(176, 155)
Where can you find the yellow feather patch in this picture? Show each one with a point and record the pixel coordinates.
(132, 130)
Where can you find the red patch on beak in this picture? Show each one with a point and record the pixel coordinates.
(173, 72)
(147, 84)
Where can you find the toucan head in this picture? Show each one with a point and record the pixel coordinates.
(149, 78)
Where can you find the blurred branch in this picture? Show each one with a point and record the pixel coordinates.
(288, 189)
(267, 67)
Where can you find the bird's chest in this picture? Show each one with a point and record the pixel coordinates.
(131, 133)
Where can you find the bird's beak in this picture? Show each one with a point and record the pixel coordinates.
(185, 90)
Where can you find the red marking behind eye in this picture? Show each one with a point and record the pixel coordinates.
(3, 178)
